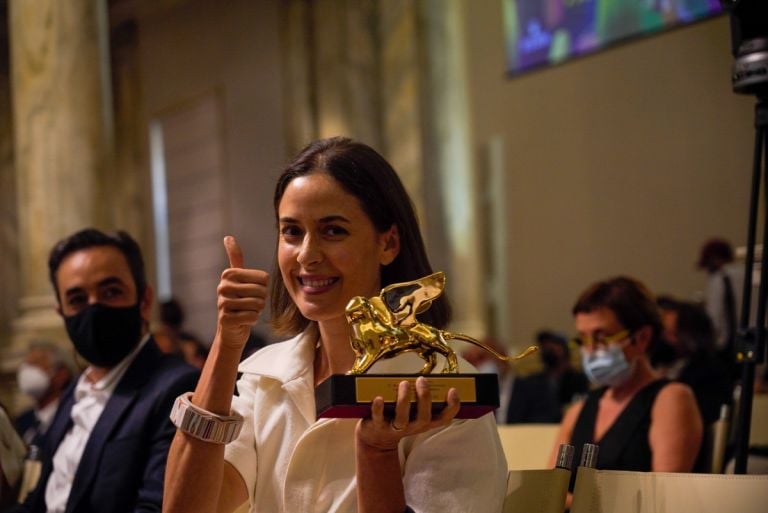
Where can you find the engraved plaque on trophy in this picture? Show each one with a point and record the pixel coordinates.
(385, 326)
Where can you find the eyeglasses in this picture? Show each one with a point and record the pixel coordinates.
(588, 342)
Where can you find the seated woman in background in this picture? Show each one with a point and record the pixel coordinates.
(346, 227)
(639, 420)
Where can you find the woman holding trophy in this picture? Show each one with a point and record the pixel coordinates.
(346, 228)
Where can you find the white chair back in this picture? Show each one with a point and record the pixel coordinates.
(717, 441)
(536, 491)
(528, 446)
(758, 431)
(614, 491)
(244, 508)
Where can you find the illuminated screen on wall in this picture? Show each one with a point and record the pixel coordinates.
(545, 32)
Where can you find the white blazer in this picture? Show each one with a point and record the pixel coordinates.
(293, 462)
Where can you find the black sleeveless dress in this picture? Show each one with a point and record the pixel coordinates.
(625, 445)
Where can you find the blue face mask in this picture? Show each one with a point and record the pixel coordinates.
(606, 366)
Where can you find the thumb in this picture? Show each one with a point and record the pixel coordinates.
(234, 253)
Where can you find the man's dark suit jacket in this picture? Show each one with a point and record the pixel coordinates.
(27, 426)
(539, 399)
(123, 465)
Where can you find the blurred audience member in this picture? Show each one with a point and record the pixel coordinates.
(485, 362)
(542, 397)
(722, 298)
(172, 338)
(45, 373)
(641, 421)
(689, 335)
(170, 333)
(255, 342)
(193, 350)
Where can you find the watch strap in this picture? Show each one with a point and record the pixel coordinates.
(202, 424)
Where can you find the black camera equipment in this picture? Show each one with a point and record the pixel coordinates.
(749, 45)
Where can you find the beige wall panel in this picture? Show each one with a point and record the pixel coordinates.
(202, 46)
(620, 162)
(194, 171)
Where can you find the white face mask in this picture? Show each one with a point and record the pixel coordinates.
(607, 366)
(33, 381)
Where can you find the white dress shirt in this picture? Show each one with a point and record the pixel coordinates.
(506, 384)
(90, 400)
(714, 301)
(45, 415)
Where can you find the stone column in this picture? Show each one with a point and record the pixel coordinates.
(299, 74)
(129, 182)
(401, 95)
(9, 284)
(332, 71)
(62, 142)
(347, 69)
(452, 204)
(354, 69)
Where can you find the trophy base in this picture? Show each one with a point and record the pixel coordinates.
(346, 396)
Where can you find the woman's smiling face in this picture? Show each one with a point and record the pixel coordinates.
(328, 249)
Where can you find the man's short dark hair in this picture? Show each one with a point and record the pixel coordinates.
(90, 238)
(552, 337)
(715, 248)
(631, 301)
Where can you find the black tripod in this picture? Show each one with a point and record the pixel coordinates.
(750, 342)
(749, 45)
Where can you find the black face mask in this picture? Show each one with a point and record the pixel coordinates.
(104, 335)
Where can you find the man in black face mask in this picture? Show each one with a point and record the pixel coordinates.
(543, 397)
(107, 445)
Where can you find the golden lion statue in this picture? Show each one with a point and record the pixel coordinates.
(385, 326)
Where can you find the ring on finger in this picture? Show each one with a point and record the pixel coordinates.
(394, 427)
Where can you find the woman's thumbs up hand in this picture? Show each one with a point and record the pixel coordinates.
(242, 294)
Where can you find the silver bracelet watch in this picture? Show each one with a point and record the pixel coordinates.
(202, 424)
